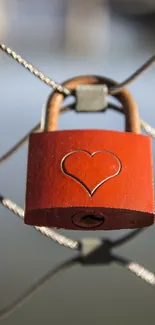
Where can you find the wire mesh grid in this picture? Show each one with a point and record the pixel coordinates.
(103, 251)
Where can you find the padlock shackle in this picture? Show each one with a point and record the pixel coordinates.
(132, 121)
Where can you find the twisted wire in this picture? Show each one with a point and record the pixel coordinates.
(56, 237)
(32, 69)
(48, 81)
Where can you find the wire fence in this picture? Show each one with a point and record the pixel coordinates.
(105, 246)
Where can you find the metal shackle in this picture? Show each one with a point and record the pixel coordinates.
(132, 119)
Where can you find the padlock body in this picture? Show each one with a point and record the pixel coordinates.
(89, 180)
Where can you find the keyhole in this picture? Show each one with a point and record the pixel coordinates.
(87, 221)
(91, 219)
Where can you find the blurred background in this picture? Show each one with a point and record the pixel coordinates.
(64, 38)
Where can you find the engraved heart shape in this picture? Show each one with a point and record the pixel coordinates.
(91, 170)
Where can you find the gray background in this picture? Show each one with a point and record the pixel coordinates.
(114, 47)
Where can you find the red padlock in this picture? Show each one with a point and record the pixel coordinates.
(90, 179)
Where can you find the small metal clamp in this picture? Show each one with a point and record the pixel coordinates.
(95, 251)
(89, 245)
(91, 98)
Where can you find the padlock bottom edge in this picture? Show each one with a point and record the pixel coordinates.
(76, 218)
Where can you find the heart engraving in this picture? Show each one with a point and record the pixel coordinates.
(91, 170)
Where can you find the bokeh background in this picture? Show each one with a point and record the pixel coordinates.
(65, 38)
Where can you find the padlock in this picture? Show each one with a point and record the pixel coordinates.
(90, 179)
